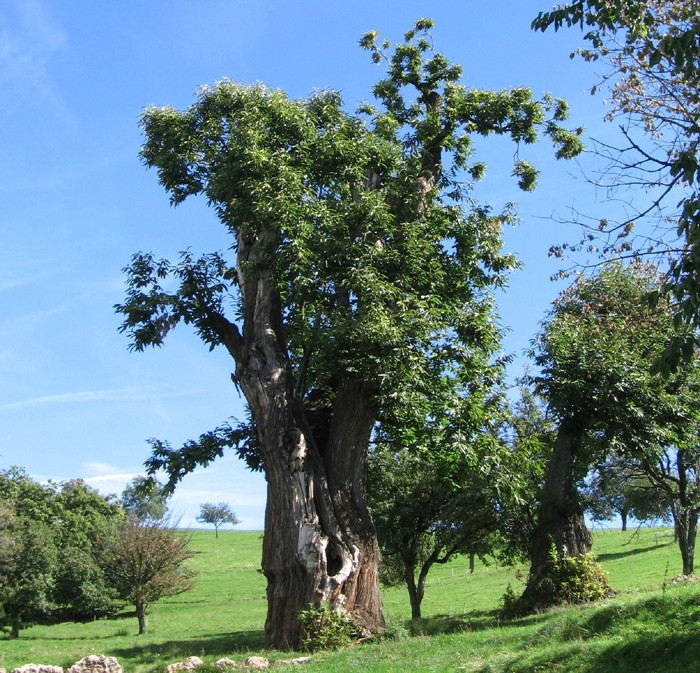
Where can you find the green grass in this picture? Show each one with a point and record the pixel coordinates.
(651, 625)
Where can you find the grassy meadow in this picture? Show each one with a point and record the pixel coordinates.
(652, 624)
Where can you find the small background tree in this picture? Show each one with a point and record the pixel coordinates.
(144, 561)
(144, 498)
(216, 515)
(618, 486)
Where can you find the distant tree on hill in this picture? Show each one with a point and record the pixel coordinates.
(144, 498)
(216, 515)
(144, 561)
(619, 486)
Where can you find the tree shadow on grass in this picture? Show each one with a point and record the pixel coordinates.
(476, 620)
(658, 633)
(215, 646)
(602, 558)
(669, 653)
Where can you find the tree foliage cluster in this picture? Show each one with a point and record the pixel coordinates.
(67, 552)
(649, 50)
(47, 560)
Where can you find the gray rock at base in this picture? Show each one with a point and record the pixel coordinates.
(296, 662)
(96, 663)
(38, 668)
(190, 664)
(225, 663)
(257, 663)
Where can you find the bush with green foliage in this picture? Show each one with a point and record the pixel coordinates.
(326, 629)
(28, 572)
(48, 554)
(568, 580)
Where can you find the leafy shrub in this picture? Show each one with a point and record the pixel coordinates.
(511, 603)
(578, 579)
(566, 580)
(324, 629)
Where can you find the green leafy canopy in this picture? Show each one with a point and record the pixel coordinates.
(383, 262)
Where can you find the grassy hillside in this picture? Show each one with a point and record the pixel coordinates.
(651, 625)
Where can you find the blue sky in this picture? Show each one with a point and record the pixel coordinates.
(76, 203)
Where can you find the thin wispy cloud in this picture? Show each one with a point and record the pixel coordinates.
(92, 396)
(103, 478)
(7, 285)
(100, 468)
(28, 41)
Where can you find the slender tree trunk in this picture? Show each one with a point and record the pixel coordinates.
(686, 528)
(623, 517)
(14, 631)
(471, 563)
(141, 616)
(415, 592)
(561, 523)
(689, 565)
(320, 543)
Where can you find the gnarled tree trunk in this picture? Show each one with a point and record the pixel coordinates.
(561, 522)
(319, 543)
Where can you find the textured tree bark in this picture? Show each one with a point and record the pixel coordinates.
(320, 544)
(561, 521)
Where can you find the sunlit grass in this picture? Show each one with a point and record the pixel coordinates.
(651, 624)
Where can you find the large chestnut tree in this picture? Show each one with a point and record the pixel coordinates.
(357, 267)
